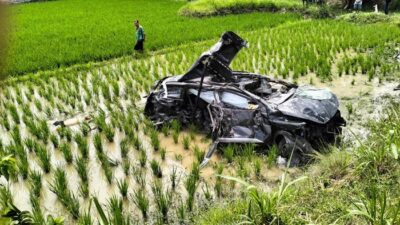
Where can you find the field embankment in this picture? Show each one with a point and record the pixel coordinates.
(202, 8)
(73, 31)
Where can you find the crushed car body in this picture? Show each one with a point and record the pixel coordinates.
(243, 107)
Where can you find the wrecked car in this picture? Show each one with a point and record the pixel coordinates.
(244, 107)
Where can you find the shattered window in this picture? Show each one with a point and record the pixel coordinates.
(234, 100)
(314, 93)
(207, 96)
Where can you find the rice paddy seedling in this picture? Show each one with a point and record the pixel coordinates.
(37, 214)
(84, 189)
(155, 141)
(98, 144)
(81, 168)
(165, 129)
(85, 219)
(109, 133)
(186, 142)
(123, 187)
(126, 166)
(14, 113)
(155, 167)
(174, 178)
(67, 152)
(218, 187)
(191, 186)
(176, 126)
(272, 156)
(142, 158)
(229, 152)
(54, 140)
(181, 213)
(65, 132)
(124, 147)
(175, 136)
(257, 167)
(198, 153)
(85, 129)
(83, 145)
(16, 135)
(116, 215)
(248, 151)
(35, 179)
(59, 186)
(23, 165)
(162, 200)
(136, 142)
(5, 122)
(141, 201)
(44, 158)
(163, 153)
(206, 192)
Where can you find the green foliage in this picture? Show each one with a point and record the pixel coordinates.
(155, 167)
(65, 148)
(162, 200)
(272, 156)
(123, 187)
(218, 7)
(141, 201)
(229, 152)
(68, 29)
(186, 142)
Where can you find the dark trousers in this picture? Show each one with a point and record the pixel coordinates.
(387, 7)
(139, 45)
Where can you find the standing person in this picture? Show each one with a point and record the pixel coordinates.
(140, 36)
(358, 5)
(387, 2)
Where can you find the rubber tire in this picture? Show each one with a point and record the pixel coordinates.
(285, 150)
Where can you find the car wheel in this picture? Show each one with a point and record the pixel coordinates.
(285, 150)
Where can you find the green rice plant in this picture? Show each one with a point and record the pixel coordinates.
(54, 140)
(5, 122)
(44, 158)
(141, 201)
(176, 126)
(65, 148)
(248, 151)
(242, 170)
(229, 152)
(218, 187)
(8, 167)
(116, 215)
(98, 144)
(81, 168)
(191, 186)
(109, 132)
(198, 153)
(85, 129)
(37, 214)
(124, 145)
(126, 166)
(162, 200)
(155, 141)
(192, 131)
(105, 164)
(272, 156)
(44, 131)
(14, 113)
(136, 142)
(84, 189)
(165, 129)
(349, 107)
(35, 180)
(16, 135)
(206, 192)
(85, 219)
(142, 158)
(163, 152)
(65, 132)
(257, 165)
(181, 213)
(139, 177)
(23, 164)
(83, 145)
(174, 178)
(59, 186)
(155, 167)
(38, 105)
(186, 142)
(123, 187)
(175, 136)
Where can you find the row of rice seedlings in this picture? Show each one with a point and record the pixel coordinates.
(59, 186)
(186, 142)
(199, 154)
(218, 181)
(37, 214)
(162, 199)
(44, 158)
(35, 180)
(124, 146)
(155, 141)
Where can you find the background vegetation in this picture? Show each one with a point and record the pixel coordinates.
(75, 31)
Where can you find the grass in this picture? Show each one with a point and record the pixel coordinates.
(155, 167)
(81, 168)
(83, 145)
(65, 148)
(35, 178)
(219, 7)
(79, 35)
(229, 152)
(162, 200)
(186, 142)
(141, 201)
(123, 187)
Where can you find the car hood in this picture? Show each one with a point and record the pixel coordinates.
(310, 103)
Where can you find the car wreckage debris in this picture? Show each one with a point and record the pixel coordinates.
(244, 107)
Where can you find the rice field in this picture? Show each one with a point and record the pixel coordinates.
(76, 32)
(114, 167)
